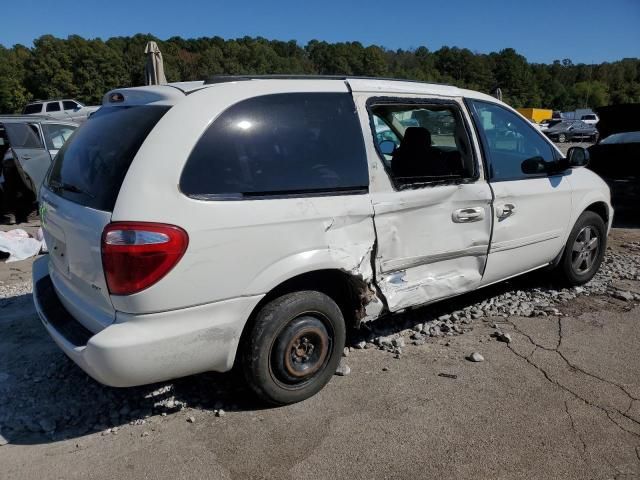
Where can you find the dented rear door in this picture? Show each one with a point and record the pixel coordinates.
(432, 239)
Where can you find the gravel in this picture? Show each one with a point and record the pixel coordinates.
(9, 290)
(343, 369)
(526, 296)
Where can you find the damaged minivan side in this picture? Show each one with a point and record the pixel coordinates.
(253, 220)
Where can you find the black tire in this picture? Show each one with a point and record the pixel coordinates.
(294, 347)
(562, 138)
(580, 262)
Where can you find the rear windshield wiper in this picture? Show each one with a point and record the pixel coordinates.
(69, 188)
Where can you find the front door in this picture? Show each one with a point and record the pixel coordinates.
(32, 159)
(432, 207)
(531, 211)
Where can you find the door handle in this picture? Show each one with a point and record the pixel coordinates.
(467, 215)
(26, 157)
(505, 210)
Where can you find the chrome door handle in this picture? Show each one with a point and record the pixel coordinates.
(505, 210)
(466, 215)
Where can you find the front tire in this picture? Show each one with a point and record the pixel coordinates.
(294, 347)
(584, 250)
(562, 138)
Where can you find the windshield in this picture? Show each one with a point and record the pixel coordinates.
(91, 166)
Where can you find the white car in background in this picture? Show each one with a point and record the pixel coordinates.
(279, 217)
(66, 109)
(590, 119)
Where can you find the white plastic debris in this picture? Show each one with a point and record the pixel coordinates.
(19, 245)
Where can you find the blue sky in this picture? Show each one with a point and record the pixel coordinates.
(589, 31)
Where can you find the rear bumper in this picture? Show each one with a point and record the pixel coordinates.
(141, 349)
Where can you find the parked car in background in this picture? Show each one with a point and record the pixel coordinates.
(590, 118)
(275, 221)
(66, 109)
(29, 143)
(616, 157)
(571, 130)
(549, 123)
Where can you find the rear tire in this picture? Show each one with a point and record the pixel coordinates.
(584, 250)
(562, 138)
(294, 347)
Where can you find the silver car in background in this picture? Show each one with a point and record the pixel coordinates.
(60, 109)
(28, 143)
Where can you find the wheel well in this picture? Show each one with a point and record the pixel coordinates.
(600, 208)
(350, 292)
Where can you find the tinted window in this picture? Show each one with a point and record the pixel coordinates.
(431, 142)
(34, 108)
(508, 141)
(55, 135)
(53, 107)
(69, 105)
(23, 135)
(91, 166)
(280, 144)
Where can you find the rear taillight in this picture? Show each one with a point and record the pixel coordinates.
(135, 255)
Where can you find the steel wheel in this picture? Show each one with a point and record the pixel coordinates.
(562, 138)
(300, 350)
(586, 249)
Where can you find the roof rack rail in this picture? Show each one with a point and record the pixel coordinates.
(239, 78)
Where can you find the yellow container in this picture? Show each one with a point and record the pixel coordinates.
(536, 114)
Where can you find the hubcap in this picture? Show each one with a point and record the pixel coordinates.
(585, 250)
(300, 350)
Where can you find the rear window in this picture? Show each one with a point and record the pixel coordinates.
(281, 144)
(34, 108)
(91, 166)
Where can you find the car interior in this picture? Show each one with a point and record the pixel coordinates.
(430, 143)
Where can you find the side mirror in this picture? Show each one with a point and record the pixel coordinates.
(387, 147)
(534, 165)
(578, 157)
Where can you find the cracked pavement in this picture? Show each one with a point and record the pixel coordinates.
(560, 401)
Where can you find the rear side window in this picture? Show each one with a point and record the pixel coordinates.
(282, 144)
(91, 166)
(33, 108)
(53, 107)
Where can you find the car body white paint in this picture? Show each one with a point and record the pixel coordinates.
(403, 248)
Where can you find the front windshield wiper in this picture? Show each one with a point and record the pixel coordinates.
(69, 188)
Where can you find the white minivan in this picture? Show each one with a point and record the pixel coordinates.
(252, 220)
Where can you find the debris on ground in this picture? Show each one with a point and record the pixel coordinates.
(19, 245)
(476, 357)
(343, 369)
(502, 337)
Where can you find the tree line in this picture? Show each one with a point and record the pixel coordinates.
(85, 69)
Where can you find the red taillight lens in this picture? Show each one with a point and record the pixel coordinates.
(135, 255)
